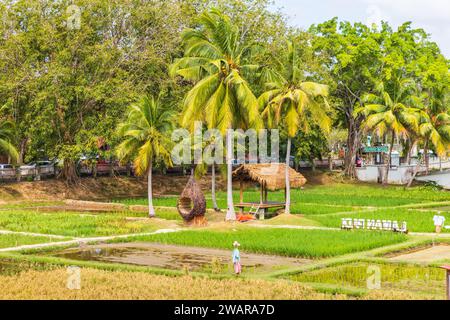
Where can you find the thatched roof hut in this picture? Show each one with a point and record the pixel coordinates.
(271, 175)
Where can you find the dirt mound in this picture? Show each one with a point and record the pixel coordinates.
(103, 188)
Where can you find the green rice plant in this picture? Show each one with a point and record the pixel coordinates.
(326, 199)
(429, 280)
(285, 242)
(72, 224)
(13, 240)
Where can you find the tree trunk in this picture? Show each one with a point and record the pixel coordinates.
(427, 157)
(313, 164)
(330, 163)
(151, 209)
(287, 181)
(22, 151)
(213, 188)
(352, 149)
(388, 167)
(69, 172)
(410, 148)
(231, 214)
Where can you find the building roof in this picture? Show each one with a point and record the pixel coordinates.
(270, 175)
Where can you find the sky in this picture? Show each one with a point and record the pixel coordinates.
(431, 15)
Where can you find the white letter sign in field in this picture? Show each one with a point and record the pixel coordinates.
(370, 224)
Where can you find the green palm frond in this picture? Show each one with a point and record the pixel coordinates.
(7, 134)
(146, 134)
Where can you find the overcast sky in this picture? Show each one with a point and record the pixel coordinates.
(431, 15)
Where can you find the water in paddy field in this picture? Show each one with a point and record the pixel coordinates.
(173, 257)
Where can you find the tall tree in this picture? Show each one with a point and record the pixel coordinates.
(146, 133)
(294, 103)
(215, 60)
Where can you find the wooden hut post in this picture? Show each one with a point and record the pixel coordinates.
(261, 196)
(241, 193)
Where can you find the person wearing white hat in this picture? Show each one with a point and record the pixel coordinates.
(439, 221)
(236, 258)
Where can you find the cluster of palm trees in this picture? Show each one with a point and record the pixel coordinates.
(221, 97)
(398, 112)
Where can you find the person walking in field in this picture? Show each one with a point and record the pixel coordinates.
(236, 258)
(439, 221)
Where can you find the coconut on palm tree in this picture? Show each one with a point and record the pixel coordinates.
(293, 103)
(388, 113)
(146, 139)
(215, 59)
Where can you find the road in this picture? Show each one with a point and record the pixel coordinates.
(442, 179)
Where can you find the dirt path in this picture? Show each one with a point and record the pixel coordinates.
(437, 253)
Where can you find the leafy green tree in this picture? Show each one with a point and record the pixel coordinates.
(215, 60)
(146, 134)
(294, 103)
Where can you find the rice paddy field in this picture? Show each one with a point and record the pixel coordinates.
(122, 254)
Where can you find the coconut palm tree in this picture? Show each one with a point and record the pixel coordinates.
(7, 133)
(146, 139)
(215, 60)
(389, 113)
(293, 103)
(434, 128)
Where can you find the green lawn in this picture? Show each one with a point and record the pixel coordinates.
(72, 224)
(286, 242)
(417, 221)
(14, 240)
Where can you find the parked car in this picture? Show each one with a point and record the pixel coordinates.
(7, 172)
(38, 168)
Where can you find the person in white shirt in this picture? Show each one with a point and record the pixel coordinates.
(439, 221)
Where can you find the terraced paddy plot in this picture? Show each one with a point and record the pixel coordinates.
(73, 224)
(419, 280)
(284, 242)
(14, 240)
(326, 199)
(417, 220)
(177, 257)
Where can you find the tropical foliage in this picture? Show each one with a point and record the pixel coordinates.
(293, 103)
(146, 140)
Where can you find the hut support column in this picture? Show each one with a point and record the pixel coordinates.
(261, 196)
(241, 194)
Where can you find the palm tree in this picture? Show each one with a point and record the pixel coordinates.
(389, 113)
(7, 134)
(214, 60)
(293, 103)
(434, 125)
(146, 139)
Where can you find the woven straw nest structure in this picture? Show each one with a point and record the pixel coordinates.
(271, 175)
(191, 203)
